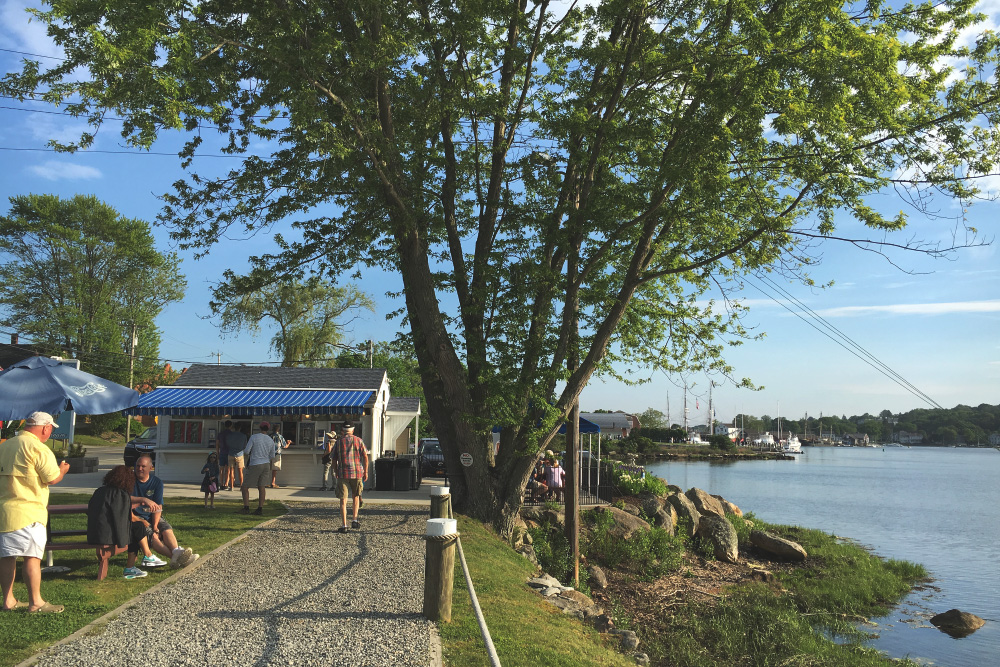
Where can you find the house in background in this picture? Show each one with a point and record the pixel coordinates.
(303, 404)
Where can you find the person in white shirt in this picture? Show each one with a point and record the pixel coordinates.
(257, 457)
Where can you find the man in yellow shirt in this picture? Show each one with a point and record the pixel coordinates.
(27, 469)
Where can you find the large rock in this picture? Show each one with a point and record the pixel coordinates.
(575, 603)
(650, 503)
(666, 518)
(598, 580)
(777, 546)
(722, 535)
(730, 508)
(625, 523)
(705, 503)
(685, 510)
(957, 623)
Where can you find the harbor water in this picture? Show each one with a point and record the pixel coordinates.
(936, 506)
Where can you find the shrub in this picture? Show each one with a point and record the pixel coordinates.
(647, 554)
(633, 480)
(113, 421)
(721, 442)
(552, 550)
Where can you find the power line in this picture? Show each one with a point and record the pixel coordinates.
(848, 339)
(841, 339)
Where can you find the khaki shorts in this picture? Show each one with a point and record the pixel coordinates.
(352, 485)
(236, 462)
(28, 542)
(257, 475)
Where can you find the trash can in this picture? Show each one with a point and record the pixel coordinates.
(401, 472)
(383, 474)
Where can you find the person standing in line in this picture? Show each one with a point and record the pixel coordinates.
(257, 454)
(237, 441)
(27, 469)
(210, 482)
(222, 450)
(279, 444)
(351, 458)
(329, 470)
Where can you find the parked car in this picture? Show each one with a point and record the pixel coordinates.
(144, 443)
(431, 457)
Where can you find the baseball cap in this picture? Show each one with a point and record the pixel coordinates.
(348, 426)
(39, 419)
(264, 426)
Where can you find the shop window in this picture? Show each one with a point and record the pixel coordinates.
(186, 432)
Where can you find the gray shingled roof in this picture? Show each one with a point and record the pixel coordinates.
(277, 377)
(403, 404)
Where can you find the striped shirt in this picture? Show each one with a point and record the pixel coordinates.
(351, 457)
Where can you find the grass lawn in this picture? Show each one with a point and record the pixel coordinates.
(86, 598)
(525, 629)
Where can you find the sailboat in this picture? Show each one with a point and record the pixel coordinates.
(791, 445)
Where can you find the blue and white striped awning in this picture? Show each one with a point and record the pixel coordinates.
(219, 401)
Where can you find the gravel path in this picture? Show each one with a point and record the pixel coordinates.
(292, 592)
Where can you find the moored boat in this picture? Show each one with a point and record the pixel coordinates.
(791, 445)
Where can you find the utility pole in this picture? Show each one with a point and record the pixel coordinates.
(131, 372)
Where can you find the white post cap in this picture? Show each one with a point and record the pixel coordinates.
(440, 490)
(441, 527)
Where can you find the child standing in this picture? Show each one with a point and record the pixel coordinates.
(210, 483)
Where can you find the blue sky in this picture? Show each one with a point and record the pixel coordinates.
(934, 322)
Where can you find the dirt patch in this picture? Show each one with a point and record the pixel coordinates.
(698, 580)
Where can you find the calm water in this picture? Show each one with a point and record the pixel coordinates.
(931, 505)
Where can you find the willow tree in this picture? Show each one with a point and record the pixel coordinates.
(555, 185)
(309, 317)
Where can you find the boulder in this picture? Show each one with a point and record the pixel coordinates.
(625, 523)
(603, 623)
(957, 623)
(553, 517)
(598, 579)
(777, 546)
(730, 508)
(705, 503)
(641, 658)
(634, 510)
(528, 552)
(575, 603)
(650, 503)
(666, 518)
(543, 581)
(685, 510)
(673, 488)
(722, 535)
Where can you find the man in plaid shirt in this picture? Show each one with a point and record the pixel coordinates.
(351, 459)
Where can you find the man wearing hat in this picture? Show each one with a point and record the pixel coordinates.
(351, 459)
(257, 457)
(27, 469)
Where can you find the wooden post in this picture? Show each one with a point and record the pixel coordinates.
(440, 502)
(439, 569)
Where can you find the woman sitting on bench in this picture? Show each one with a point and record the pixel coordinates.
(112, 528)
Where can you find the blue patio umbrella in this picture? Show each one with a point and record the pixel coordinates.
(47, 384)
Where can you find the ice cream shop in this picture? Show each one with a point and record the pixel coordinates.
(302, 404)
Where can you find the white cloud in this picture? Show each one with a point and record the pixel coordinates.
(63, 129)
(915, 309)
(24, 33)
(65, 171)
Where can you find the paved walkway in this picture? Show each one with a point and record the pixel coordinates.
(292, 591)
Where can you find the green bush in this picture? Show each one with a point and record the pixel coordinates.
(722, 443)
(647, 554)
(113, 421)
(552, 550)
(633, 480)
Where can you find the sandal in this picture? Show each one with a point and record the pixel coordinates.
(47, 609)
(17, 605)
